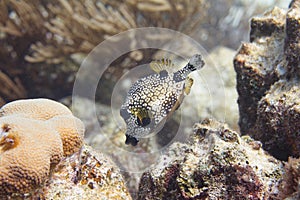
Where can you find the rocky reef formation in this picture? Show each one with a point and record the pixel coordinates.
(215, 164)
(85, 175)
(268, 81)
(277, 125)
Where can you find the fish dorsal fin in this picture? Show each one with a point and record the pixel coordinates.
(143, 116)
(162, 65)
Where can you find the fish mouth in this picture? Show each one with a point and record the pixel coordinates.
(131, 140)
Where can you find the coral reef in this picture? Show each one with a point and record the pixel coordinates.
(215, 164)
(42, 155)
(85, 175)
(35, 135)
(268, 81)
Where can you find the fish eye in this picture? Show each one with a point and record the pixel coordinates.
(143, 121)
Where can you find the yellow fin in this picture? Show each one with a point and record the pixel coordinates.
(188, 85)
(160, 65)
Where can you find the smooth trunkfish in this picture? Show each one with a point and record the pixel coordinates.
(151, 100)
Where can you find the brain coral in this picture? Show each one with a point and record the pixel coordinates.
(34, 136)
(24, 158)
(71, 131)
(42, 109)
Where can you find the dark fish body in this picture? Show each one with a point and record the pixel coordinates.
(152, 100)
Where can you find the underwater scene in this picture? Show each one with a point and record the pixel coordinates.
(150, 99)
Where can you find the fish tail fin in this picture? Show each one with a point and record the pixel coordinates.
(196, 62)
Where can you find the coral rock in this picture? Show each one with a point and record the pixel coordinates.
(277, 125)
(35, 135)
(216, 164)
(268, 81)
(93, 176)
(254, 64)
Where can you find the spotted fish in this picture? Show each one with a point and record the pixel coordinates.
(151, 100)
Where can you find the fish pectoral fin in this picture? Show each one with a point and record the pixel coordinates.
(188, 85)
(177, 106)
(143, 117)
(162, 65)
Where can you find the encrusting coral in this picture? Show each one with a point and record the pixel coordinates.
(35, 135)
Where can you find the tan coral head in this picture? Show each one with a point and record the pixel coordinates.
(35, 135)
